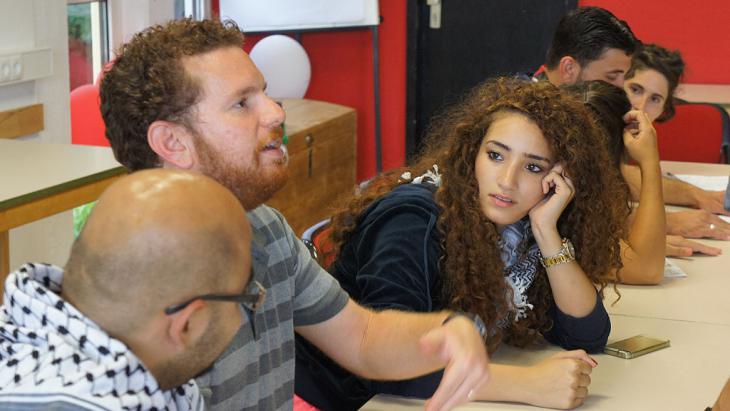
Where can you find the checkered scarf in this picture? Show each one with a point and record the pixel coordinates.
(50, 353)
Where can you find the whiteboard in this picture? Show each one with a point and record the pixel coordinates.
(282, 15)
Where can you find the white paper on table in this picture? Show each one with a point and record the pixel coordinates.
(713, 183)
(672, 270)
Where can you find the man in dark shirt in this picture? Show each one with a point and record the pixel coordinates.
(589, 43)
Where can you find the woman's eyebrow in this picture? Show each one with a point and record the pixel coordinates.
(528, 155)
(539, 158)
(498, 144)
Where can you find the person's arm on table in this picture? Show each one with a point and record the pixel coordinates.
(642, 254)
(392, 345)
(559, 381)
(678, 192)
(701, 223)
(678, 246)
(697, 224)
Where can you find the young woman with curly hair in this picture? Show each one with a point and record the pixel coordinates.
(511, 177)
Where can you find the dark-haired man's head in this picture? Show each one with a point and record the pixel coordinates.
(590, 43)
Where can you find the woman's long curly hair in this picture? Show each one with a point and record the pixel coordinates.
(471, 268)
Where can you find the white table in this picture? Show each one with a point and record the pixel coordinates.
(702, 296)
(686, 376)
(692, 312)
(39, 179)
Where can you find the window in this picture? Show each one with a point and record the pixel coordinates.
(197, 9)
(87, 40)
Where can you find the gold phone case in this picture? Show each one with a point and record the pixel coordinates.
(635, 346)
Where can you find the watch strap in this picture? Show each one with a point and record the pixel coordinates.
(563, 256)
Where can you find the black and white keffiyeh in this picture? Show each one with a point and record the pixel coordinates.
(521, 257)
(519, 252)
(51, 354)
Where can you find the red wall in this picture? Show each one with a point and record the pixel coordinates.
(698, 29)
(342, 61)
(342, 73)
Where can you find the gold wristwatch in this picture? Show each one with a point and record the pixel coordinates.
(565, 255)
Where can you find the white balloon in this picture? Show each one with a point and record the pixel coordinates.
(284, 64)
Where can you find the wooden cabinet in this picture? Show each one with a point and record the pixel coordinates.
(322, 148)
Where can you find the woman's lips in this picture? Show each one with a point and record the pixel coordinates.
(502, 200)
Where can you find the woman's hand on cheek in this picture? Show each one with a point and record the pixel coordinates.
(558, 190)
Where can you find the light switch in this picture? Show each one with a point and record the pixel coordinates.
(4, 70)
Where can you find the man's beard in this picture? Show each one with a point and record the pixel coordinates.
(248, 182)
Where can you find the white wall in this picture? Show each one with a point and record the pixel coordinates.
(28, 24)
(127, 17)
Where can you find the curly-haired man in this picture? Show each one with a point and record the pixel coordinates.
(185, 95)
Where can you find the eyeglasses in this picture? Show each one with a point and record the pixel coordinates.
(251, 302)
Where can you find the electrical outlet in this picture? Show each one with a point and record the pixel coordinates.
(25, 65)
(16, 68)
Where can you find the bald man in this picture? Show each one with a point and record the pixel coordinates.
(148, 299)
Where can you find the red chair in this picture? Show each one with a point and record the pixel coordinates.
(87, 126)
(699, 132)
(318, 242)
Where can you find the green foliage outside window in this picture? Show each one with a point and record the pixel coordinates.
(79, 22)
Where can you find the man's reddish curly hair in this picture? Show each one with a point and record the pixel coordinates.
(148, 82)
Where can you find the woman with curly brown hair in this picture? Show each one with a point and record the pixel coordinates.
(513, 213)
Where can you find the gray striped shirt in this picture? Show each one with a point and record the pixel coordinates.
(258, 373)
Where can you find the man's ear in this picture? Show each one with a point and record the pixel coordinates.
(172, 142)
(569, 70)
(188, 325)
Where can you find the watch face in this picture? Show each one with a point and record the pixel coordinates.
(571, 250)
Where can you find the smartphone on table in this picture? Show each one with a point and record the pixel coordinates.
(635, 346)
